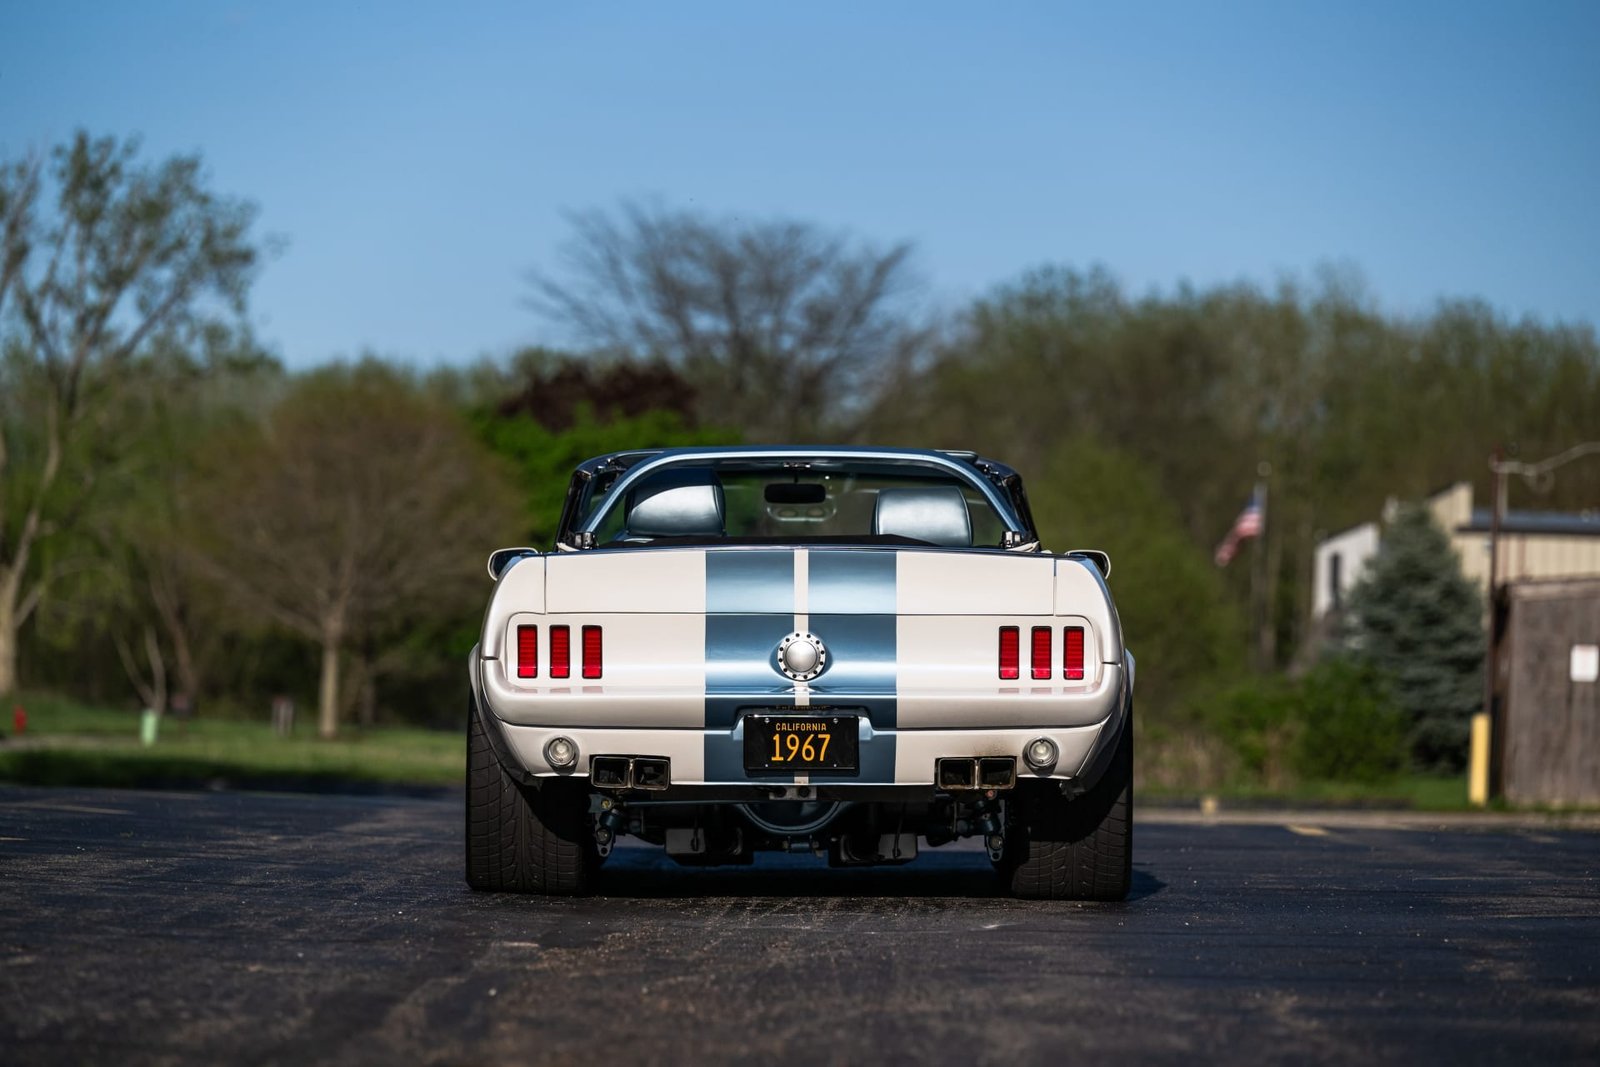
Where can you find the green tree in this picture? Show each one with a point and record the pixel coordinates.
(1180, 625)
(563, 410)
(358, 508)
(543, 459)
(1348, 404)
(1416, 617)
(124, 251)
(132, 585)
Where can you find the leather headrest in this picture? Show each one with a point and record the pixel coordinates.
(937, 514)
(677, 502)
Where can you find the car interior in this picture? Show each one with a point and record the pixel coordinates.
(700, 503)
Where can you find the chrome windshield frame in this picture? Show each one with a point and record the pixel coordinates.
(908, 456)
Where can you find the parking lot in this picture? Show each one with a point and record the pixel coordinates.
(222, 927)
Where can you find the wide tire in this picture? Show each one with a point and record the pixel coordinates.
(1079, 849)
(524, 839)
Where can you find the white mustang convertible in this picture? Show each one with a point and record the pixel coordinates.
(853, 652)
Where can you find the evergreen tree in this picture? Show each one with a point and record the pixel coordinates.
(1417, 618)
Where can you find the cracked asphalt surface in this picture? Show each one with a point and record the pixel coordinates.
(249, 928)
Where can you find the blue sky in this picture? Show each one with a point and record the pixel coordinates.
(418, 158)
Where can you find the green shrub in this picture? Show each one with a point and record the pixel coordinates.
(1258, 720)
(1339, 723)
(1351, 728)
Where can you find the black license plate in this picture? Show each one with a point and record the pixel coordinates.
(801, 744)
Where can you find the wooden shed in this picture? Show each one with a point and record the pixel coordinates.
(1549, 679)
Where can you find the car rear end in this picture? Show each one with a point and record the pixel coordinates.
(667, 652)
(854, 700)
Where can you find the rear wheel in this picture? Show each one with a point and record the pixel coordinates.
(524, 839)
(1078, 849)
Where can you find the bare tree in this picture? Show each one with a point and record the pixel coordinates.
(128, 250)
(782, 327)
(359, 502)
(128, 580)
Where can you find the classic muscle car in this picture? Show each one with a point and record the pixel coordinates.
(854, 652)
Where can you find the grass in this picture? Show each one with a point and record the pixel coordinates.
(74, 744)
(1415, 792)
(69, 743)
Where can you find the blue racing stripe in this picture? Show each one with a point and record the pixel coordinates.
(741, 665)
(861, 659)
(861, 673)
(749, 610)
(750, 604)
(847, 582)
(740, 582)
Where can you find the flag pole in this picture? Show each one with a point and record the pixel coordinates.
(1260, 605)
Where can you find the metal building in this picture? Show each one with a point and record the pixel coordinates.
(1533, 545)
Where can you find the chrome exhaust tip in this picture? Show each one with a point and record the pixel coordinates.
(997, 772)
(959, 773)
(630, 772)
(611, 772)
(965, 773)
(652, 772)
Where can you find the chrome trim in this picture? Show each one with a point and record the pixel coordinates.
(618, 491)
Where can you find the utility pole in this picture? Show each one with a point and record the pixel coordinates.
(1491, 642)
(1540, 476)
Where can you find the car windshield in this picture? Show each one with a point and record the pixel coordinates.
(793, 502)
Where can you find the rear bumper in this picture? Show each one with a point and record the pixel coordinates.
(711, 756)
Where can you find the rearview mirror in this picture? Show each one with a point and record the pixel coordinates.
(796, 493)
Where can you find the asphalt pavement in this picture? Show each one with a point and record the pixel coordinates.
(251, 928)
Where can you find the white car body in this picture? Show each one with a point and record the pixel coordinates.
(905, 642)
(911, 637)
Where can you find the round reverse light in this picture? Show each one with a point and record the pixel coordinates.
(561, 752)
(1041, 753)
(802, 656)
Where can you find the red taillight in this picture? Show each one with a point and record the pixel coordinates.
(527, 652)
(1010, 652)
(1041, 652)
(560, 651)
(1072, 653)
(592, 659)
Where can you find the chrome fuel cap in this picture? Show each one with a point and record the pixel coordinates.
(802, 656)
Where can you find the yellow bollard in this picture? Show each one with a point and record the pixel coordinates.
(1478, 773)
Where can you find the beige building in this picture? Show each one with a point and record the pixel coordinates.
(1532, 545)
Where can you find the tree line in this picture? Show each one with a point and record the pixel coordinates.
(185, 519)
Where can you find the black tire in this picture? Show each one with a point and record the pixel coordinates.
(1079, 849)
(524, 839)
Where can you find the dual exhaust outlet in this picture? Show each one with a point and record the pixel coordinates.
(965, 773)
(952, 773)
(630, 772)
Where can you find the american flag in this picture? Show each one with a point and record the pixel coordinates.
(1247, 525)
